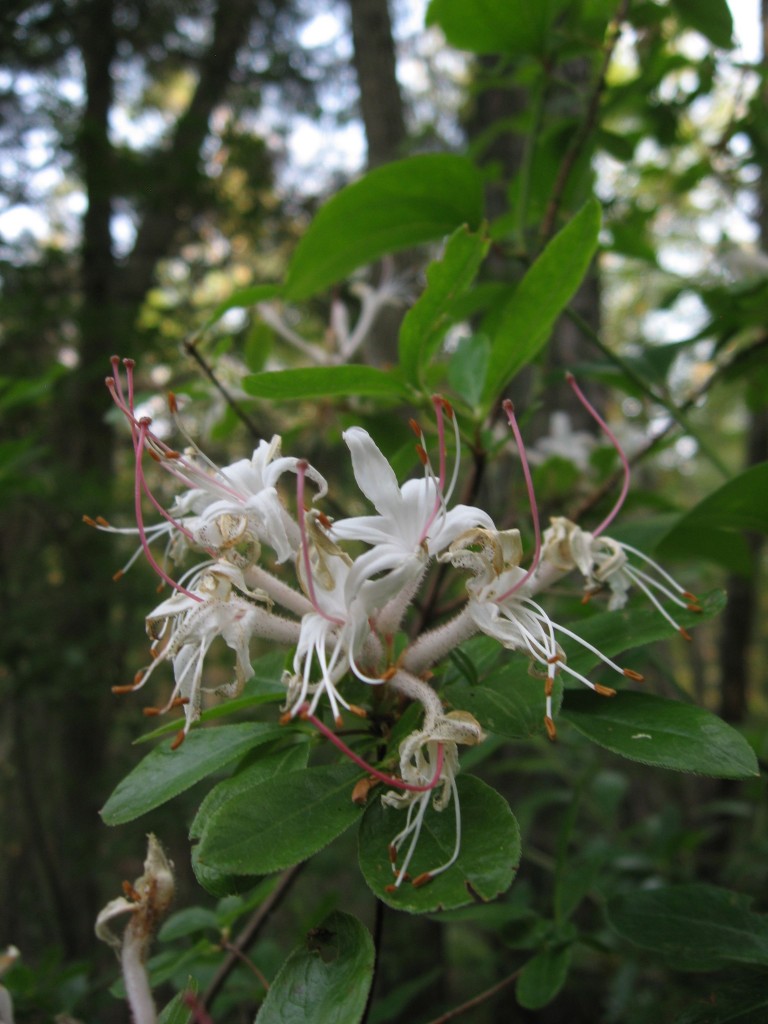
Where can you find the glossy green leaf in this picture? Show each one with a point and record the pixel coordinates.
(164, 773)
(540, 297)
(178, 1011)
(468, 368)
(402, 204)
(487, 862)
(281, 822)
(663, 733)
(710, 17)
(326, 980)
(694, 926)
(324, 382)
(733, 997)
(712, 528)
(494, 26)
(543, 976)
(425, 324)
(510, 703)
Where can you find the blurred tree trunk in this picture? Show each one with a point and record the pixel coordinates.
(741, 611)
(381, 102)
(58, 706)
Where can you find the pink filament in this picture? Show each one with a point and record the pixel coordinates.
(619, 451)
(509, 409)
(382, 776)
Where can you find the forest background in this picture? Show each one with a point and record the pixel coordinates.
(157, 189)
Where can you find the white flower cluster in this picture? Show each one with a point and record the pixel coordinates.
(342, 613)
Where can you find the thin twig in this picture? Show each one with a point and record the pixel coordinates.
(249, 934)
(190, 347)
(489, 993)
(586, 128)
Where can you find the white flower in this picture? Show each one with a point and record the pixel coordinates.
(429, 763)
(183, 627)
(412, 522)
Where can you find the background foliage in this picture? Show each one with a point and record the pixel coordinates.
(581, 186)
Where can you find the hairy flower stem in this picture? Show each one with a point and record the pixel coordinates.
(437, 644)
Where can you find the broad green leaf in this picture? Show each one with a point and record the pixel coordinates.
(542, 977)
(425, 324)
(712, 528)
(188, 922)
(735, 997)
(494, 26)
(326, 980)
(468, 368)
(402, 204)
(710, 17)
(244, 299)
(282, 822)
(663, 733)
(510, 703)
(178, 1011)
(324, 382)
(487, 862)
(696, 926)
(164, 773)
(540, 297)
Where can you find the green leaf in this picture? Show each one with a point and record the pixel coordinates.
(740, 504)
(696, 926)
(540, 297)
(282, 822)
(177, 1011)
(737, 997)
(710, 17)
(326, 980)
(494, 26)
(542, 977)
(425, 324)
(402, 204)
(164, 773)
(487, 862)
(663, 733)
(324, 382)
(468, 368)
(510, 703)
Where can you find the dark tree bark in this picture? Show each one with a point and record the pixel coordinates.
(381, 102)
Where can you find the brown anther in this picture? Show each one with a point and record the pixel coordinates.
(507, 405)
(339, 721)
(390, 888)
(180, 737)
(117, 576)
(695, 608)
(604, 691)
(389, 672)
(129, 363)
(172, 403)
(101, 521)
(554, 659)
(586, 598)
(324, 521)
(109, 381)
(138, 677)
(286, 717)
(130, 893)
(150, 712)
(172, 454)
(548, 687)
(392, 854)
(631, 674)
(415, 427)
(124, 689)
(690, 597)
(423, 457)
(361, 790)
(356, 710)
(685, 634)
(89, 521)
(153, 455)
(421, 879)
(550, 727)
(445, 405)
(179, 702)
